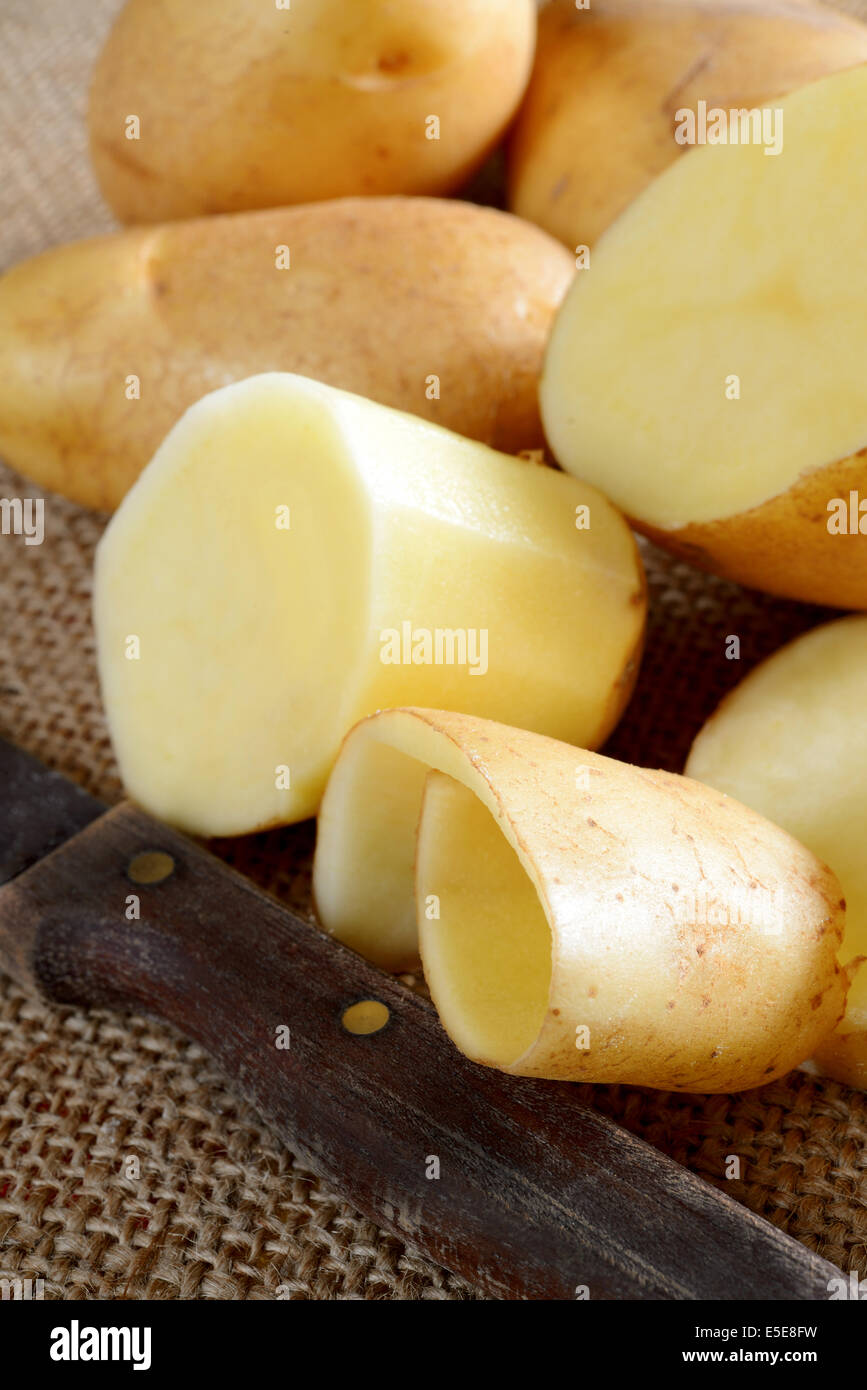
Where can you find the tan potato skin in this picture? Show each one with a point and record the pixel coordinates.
(843, 1057)
(843, 1054)
(597, 123)
(381, 294)
(549, 815)
(598, 847)
(244, 105)
(784, 546)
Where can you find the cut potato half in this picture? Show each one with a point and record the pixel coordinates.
(294, 558)
(708, 369)
(578, 918)
(791, 741)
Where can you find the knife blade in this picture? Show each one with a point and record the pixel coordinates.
(513, 1183)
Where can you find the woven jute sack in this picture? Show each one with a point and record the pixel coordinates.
(221, 1208)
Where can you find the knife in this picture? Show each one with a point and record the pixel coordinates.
(514, 1184)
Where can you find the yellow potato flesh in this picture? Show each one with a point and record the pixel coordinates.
(791, 741)
(259, 646)
(578, 918)
(731, 263)
(240, 624)
(483, 936)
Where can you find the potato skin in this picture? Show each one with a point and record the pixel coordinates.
(689, 1000)
(784, 547)
(245, 105)
(843, 1057)
(597, 123)
(381, 295)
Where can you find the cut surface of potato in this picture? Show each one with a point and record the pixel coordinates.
(422, 304)
(244, 104)
(600, 117)
(578, 918)
(294, 558)
(708, 369)
(791, 741)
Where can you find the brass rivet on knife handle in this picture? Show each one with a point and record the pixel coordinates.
(365, 1017)
(513, 1183)
(151, 866)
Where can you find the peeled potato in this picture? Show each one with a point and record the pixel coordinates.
(707, 371)
(791, 741)
(434, 307)
(598, 122)
(578, 918)
(250, 104)
(295, 557)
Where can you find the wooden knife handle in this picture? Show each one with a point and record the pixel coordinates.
(510, 1182)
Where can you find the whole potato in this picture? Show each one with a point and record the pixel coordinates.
(435, 307)
(242, 104)
(597, 124)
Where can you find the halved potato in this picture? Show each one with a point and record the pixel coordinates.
(599, 118)
(707, 371)
(578, 918)
(295, 557)
(791, 741)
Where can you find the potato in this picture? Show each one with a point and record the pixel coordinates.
(578, 918)
(791, 741)
(243, 104)
(430, 306)
(707, 371)
(295, 557)
(599, 118)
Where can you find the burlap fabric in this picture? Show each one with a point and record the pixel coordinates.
(222, 1209)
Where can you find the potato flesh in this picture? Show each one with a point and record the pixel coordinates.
(235, 617)
(791, 741)
(261, 646)
(363, 873)
(733, 262)
(693, 941)
(483, 936)
(364, 868)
